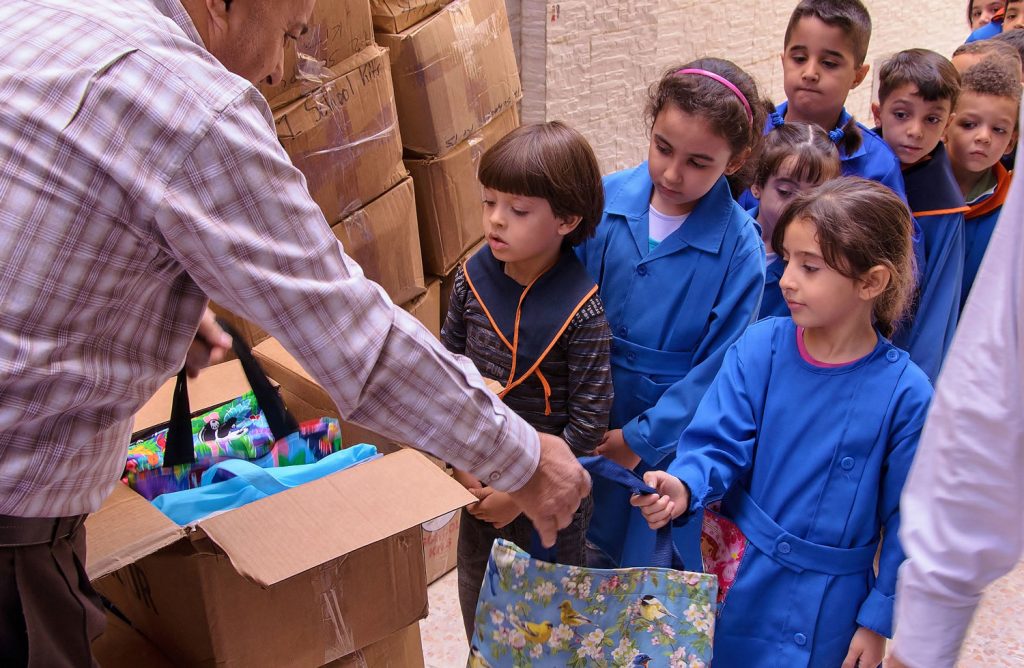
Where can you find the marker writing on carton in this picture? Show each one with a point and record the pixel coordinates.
(135, 580)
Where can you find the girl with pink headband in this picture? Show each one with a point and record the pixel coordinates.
(680, 268)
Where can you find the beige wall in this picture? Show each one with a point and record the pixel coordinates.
(598, 56)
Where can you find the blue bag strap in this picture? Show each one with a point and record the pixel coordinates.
(272, 481)
(179, 447)
(665, 554)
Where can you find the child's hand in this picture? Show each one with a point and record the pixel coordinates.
(614, 447)
(496, 508)
(867, 649)
(671, 501)
(467, 480)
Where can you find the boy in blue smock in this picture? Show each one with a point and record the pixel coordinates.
(917, 93)
(806, 437)
(983, 130)
(680, 267)
(824, 50)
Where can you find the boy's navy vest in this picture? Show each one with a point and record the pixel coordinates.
(529, 320)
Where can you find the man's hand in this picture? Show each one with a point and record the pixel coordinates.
(496, 508)
(866, 650)
(209, 347)
(614, 447)
(554, 492)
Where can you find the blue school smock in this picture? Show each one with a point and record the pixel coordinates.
(810, 462)
(673, 311)
(986, 31)
(772, 303)
(873, 159)
(938, 208)
(979, 222)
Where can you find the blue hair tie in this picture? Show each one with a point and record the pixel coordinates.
(776, 119)
(836, 135)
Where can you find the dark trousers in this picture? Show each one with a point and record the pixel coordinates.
(49, 613)
(476, 538)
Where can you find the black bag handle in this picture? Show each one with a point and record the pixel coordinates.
(179, 448)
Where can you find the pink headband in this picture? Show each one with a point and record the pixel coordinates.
(725, 82)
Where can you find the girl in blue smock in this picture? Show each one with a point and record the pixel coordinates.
(824, 50)
(680, 268)
(795, 158)
(806, 438)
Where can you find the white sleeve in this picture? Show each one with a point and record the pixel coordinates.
(963, 505)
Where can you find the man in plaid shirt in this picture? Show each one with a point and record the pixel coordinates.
(139, 174)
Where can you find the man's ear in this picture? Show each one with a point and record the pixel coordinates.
(217, 14)
(862, 72)
(874, 281)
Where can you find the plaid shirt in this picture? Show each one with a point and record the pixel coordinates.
(138, 176)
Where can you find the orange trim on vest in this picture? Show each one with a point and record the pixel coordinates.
(547, 391)
(554, 340)
(941, 212)
(997, 198)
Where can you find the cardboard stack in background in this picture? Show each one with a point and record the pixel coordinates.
(456, 88)
(301, 578)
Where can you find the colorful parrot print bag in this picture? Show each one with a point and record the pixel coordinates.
(256, 427)
(534, 613)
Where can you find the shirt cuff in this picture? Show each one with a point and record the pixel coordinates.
(928, 632)
(876, 613)
(514, 457)
(639, 445)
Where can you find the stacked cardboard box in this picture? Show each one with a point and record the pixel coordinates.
(454, 72)
(301, 578)
(456, 88)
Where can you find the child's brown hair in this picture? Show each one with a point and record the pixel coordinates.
(931, 73)
(850, 16)
(804, 147)
(992, 76)
(860, 224)
(717, 104)
(552, 161)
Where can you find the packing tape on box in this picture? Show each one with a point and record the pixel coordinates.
(382, 135)
(327, 589)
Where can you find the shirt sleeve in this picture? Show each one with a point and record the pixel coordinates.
(876, 612)
(238, 217)
(590, 379)
(654, 433)
(962, 525)
(718, 446)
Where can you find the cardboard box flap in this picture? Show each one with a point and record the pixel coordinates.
(126, 528)
(285, 534)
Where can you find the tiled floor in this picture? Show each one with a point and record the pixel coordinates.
(444, 637)
(996, 639)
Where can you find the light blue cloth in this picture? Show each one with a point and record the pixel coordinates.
(251, 483)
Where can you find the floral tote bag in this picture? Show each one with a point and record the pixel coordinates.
(534, 613)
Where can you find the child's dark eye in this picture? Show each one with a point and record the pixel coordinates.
(901, 115)
(519, 212)
(934, 120)
(664, 150)
(488, 203)
(810, 269)
(798, 58)
(784, 194)
(829, 64)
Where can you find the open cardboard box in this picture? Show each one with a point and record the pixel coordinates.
(297, 579)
